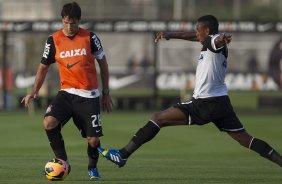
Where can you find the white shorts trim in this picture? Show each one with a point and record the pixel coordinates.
(233, 130)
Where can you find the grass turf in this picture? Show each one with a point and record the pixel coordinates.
(186, 154)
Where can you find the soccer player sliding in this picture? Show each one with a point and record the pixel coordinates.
(210, 101)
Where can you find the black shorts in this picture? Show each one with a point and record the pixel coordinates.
(85, 112)
(217, 110)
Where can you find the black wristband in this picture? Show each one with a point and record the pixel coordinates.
(105, 91)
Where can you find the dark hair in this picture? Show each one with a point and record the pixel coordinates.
(211, 22)
(71, 10)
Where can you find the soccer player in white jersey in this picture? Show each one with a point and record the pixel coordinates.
(210, 101)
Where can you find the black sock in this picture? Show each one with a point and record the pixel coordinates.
(143, 135)
(266, 151)
(57, 142)
(93, 156)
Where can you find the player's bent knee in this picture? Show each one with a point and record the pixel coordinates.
(50, 123)
(93, 141)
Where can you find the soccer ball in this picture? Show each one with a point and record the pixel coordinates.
(56, 169)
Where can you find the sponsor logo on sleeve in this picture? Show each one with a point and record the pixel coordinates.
(46, 50)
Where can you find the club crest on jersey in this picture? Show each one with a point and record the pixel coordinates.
(48, 109)
(201, 56)
(72, 53)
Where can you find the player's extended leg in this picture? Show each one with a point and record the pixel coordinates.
(53, 130)
(169, 117)
(93, 156)
(257, 145)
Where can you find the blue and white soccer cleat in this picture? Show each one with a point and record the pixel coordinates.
(113, 155)
(94, 174)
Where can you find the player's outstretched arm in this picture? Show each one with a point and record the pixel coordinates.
(222, 40)
(39, 79)
(190, 36)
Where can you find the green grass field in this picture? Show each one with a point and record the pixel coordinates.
(186, 154)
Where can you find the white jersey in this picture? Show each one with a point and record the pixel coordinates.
(211, 69)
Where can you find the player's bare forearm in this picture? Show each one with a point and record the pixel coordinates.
(107, 102)
(39, 79)
(190, 36)
(103, 64)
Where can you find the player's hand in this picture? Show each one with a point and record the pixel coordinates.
(161, 35)
(107, 103)
(223, 39)
(27, 99)
(226, 38)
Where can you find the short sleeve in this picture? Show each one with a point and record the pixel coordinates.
(209, 43)
(96, 47)
(49, 52)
